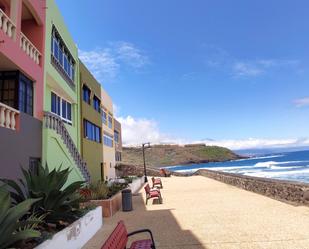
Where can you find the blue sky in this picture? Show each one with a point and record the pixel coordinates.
(232, 71)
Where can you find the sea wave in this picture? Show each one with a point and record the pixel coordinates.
(270, 174)
(266, 157)
(270, 164)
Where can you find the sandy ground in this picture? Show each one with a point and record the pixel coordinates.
(198, 212)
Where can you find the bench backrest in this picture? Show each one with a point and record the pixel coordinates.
(147, 189)
(118, 238)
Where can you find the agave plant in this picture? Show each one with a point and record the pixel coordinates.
(12, 228)
(57, 201)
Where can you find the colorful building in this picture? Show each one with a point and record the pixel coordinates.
(108, 136)
(117, 140)
(22, 29)
(61, 130)
(52, 110)
(91, 123)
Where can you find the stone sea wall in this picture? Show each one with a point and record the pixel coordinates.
(287, 191)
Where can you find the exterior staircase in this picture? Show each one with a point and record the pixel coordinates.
(55, 123)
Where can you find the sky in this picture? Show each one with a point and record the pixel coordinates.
(231, 73)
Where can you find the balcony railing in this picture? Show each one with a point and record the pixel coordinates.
(27, 46)
(6, 24)
(8, 116)
(55, 123)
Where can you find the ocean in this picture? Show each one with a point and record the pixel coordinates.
(292, 166)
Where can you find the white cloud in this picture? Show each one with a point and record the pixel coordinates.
(302, 102)
(252, 68)
(241, 67)
(246, 69)
(136, 131)
(256, 143)
(131, 55)
(100, 62)
(105, 63)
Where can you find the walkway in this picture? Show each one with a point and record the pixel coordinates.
(202, 213)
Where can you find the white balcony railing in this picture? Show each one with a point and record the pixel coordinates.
(6, 24)
(27, 46)
(8, 116)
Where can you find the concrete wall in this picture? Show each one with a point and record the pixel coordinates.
(77, 234)
(18, 146)
(91, 151)
(293, 192)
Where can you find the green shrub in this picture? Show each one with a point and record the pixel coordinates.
(12, 228)
(115, 188)
(99, 190)
(57, 202)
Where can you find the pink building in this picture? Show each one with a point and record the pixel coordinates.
(22, 32)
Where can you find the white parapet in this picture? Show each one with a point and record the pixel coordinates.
(27, 46)
(6, 24)
(8, 116)
(77, 234)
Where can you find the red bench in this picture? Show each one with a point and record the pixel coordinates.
(156, 182)
(152, 193)
(119, 237)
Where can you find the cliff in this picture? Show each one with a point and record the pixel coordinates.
(167, 155)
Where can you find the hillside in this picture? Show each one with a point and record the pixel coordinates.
(166, 155)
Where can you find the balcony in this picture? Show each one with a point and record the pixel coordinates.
(7, 25)
(27, 46)
(8, 117)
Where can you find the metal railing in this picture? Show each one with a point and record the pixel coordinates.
(55, 123)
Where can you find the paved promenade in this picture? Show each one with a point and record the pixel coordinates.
(198, 212)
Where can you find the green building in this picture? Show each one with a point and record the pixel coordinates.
(91, 123)
(61, 131)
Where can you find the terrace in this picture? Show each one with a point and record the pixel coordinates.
(24, 29)
(198, 212)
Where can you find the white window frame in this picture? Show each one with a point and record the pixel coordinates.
(104, 112)
(110, 138)
(64, 119)
(110, 124)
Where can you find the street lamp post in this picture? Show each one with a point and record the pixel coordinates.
(145, 145)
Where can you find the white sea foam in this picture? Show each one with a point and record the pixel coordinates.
(265, 157)
(270, 174)
(270, 164)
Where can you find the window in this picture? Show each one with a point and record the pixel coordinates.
(96, 103)
(16, 90)
(110, 122)
(104, 117)
(92, 132)
(118, 156)
(66, 111)
(62, 55)
(61, 107)
(116, 136)
(108, 140)
(25, 101)
(86, 94)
